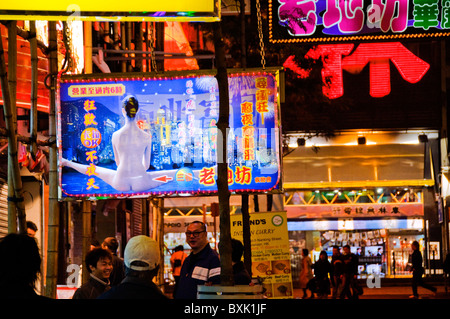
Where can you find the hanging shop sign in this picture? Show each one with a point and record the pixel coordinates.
(122, 136)
(355, 210)
(356, 20)
(114, 10)
(270, 251)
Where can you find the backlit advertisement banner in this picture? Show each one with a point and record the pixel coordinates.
(114, 10)
(356, 20)
(122, 137)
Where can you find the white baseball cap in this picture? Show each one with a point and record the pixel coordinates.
(142, 248)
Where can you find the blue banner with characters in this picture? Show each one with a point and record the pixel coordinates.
(122, 137)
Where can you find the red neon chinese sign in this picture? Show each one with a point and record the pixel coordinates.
(378, 56)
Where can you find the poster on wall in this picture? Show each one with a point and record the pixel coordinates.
(270, 251)
(123, 137)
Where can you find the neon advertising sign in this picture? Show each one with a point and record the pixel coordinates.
(122, 137)
(328, 21)
(114, 10)
(339, 57)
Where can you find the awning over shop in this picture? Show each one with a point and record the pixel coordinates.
(356, 166)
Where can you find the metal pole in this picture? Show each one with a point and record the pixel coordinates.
(53, 214)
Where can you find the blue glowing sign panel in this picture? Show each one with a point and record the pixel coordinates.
(121, 137)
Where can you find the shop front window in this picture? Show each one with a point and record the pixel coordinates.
(400, 251)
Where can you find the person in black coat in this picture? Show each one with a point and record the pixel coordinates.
(99, 265)
(322, 268)
(417, 270)
(20, 267)
(142, 260)
(240, 273)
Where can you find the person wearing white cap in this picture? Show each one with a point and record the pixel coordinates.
(142, 259)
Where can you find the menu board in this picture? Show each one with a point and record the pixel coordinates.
(270, 251)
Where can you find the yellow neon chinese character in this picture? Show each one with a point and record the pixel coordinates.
(247, 107)
(89, 119)
(90, 170)
(89, 105)
(247, 119)
(91, 184)
(91, 157)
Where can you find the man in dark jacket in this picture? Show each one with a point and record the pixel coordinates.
(201, 266)
(240, 273)
(142, 261)
(336, 273)
(417, 270)
(350, 262)
(99, 264)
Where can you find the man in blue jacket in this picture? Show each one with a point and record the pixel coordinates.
(201, 266)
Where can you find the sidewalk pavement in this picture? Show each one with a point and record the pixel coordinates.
(394, 292)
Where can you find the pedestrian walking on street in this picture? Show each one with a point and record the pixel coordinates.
(142, 261)
(99, 264)
(322, 268)
(417, 271)
(337, 269)
(306, 274)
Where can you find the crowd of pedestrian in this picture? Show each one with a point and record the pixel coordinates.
(337, 278)
(111, 277)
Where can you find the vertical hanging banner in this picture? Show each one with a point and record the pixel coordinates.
(123, 137)
(270, 251)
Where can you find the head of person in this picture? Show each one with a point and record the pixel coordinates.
(178, 248)
(336, 250)
(31, 228)
(130, 106)
(346, 249)
(95, 244)
(99, 263)
(237, 250)
(415, 245)
(305, 252)
(323, 255)
(111, 244)
(196, 236)
(142, 257)
(20, 260)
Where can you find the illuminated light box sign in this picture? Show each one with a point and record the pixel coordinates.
(114, 10)
(356, 20)
(158, 136)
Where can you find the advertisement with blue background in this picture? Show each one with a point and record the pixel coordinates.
(158, 136)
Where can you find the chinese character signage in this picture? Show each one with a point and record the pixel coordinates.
(362, 210)
(144, 136)
(134, 10)
(337, 58)
(270, 251)
(352, 20)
